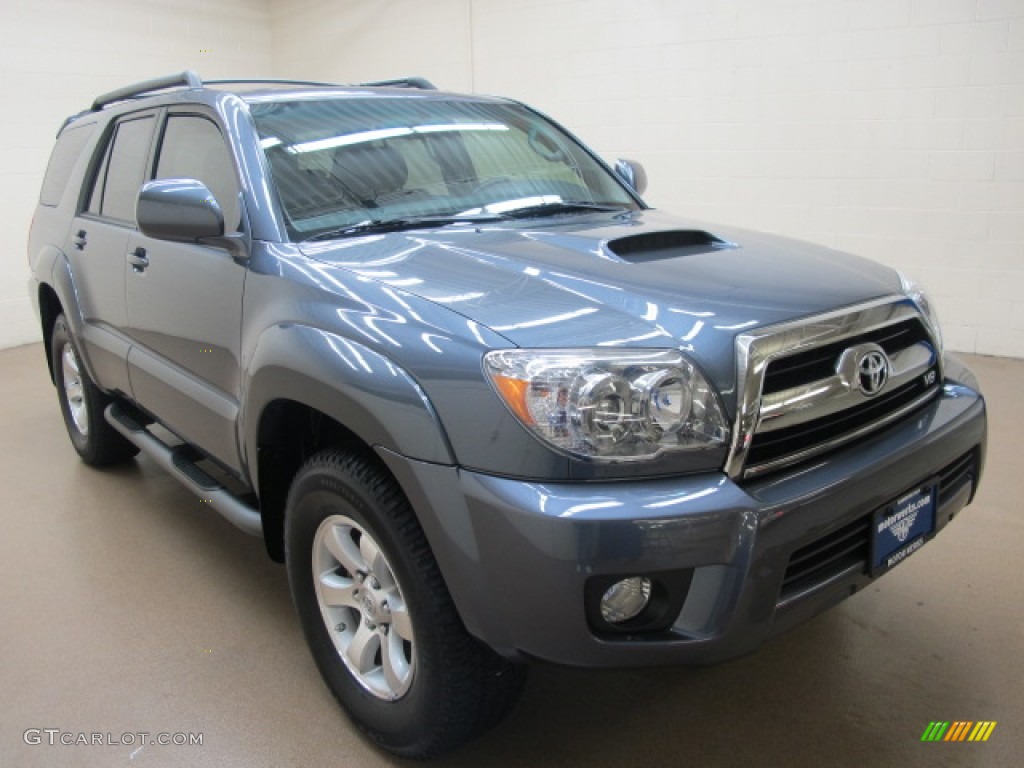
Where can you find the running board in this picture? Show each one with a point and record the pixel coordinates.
(180, 461)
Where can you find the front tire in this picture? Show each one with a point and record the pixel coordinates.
(82, 404)
(378, 618)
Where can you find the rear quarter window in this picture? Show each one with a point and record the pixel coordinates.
(65, 154)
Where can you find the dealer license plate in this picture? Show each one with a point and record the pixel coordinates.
(900, 529)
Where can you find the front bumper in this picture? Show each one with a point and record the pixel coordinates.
(516, 555)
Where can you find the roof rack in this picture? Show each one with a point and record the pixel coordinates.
(402, 82)
(270, 81)
(188, 78)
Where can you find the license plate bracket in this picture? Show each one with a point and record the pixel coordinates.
(901, 528)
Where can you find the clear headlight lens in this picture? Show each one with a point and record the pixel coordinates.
(915, 292)
(610, 404)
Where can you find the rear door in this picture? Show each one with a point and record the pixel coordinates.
(98, 242)
(185, 301)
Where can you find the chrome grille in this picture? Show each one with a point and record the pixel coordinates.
(820, 362)
(770, 447)
(799, 391)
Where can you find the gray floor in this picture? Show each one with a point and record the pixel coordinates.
(129, 607)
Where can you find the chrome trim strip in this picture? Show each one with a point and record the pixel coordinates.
(754, 350)
(793, 458)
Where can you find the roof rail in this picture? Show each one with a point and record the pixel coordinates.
(270, 81)
(403, 82)
(69, 120)
(190, 79)
(187, 78)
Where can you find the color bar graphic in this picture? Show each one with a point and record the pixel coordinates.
(958, 730)
(982, 731)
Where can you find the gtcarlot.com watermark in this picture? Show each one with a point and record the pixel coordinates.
(59, 737)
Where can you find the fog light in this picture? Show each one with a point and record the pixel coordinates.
(625, 599)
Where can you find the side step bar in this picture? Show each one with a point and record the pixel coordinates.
(180, 462)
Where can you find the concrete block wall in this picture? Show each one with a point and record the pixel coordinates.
(361, 40)
(891, 128)
(56, 56)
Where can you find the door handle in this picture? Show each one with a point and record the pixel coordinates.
(80, 240)
(138, 260)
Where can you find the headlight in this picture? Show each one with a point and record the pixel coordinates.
(610, 404)
(915, 292)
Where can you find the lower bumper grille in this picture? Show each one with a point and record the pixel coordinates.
(827, 557)
(850, 546)
(953, 477)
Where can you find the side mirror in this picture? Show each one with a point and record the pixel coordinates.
(633, 173)
(182, 210)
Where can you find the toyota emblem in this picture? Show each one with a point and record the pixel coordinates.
(864, 367)
(872, 372)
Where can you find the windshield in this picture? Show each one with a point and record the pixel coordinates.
(342, 164)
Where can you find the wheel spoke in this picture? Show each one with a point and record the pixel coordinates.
(401, 623)
(344, 550)
(372, 557)
(336, 590)
(395, 667)
(70, 360)
(362, 651)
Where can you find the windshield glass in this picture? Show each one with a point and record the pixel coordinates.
(341, 163)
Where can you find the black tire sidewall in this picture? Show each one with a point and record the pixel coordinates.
(61, 336)
(102, 445)
(318, 493)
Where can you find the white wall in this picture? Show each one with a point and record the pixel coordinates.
(360, 40)
(58, 55)
(891, 128)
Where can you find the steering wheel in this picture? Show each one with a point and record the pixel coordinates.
(542, 143)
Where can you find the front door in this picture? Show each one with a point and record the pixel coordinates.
(185, 303)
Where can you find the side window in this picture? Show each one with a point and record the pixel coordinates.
(62, 161)
(96, 195)
(124, 168)
(193, 148)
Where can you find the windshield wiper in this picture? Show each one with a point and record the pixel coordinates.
(399, 224)
(561, 206)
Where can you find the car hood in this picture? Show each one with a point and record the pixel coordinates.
(558, 282)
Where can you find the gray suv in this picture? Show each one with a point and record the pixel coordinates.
(485, 404)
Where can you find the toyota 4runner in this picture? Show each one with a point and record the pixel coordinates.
(484, 403)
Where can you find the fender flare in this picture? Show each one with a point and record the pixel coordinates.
(52, 269)
(379, 401)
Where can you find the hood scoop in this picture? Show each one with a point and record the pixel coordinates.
(670, 244)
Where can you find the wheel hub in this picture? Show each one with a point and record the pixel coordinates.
(371, 608)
